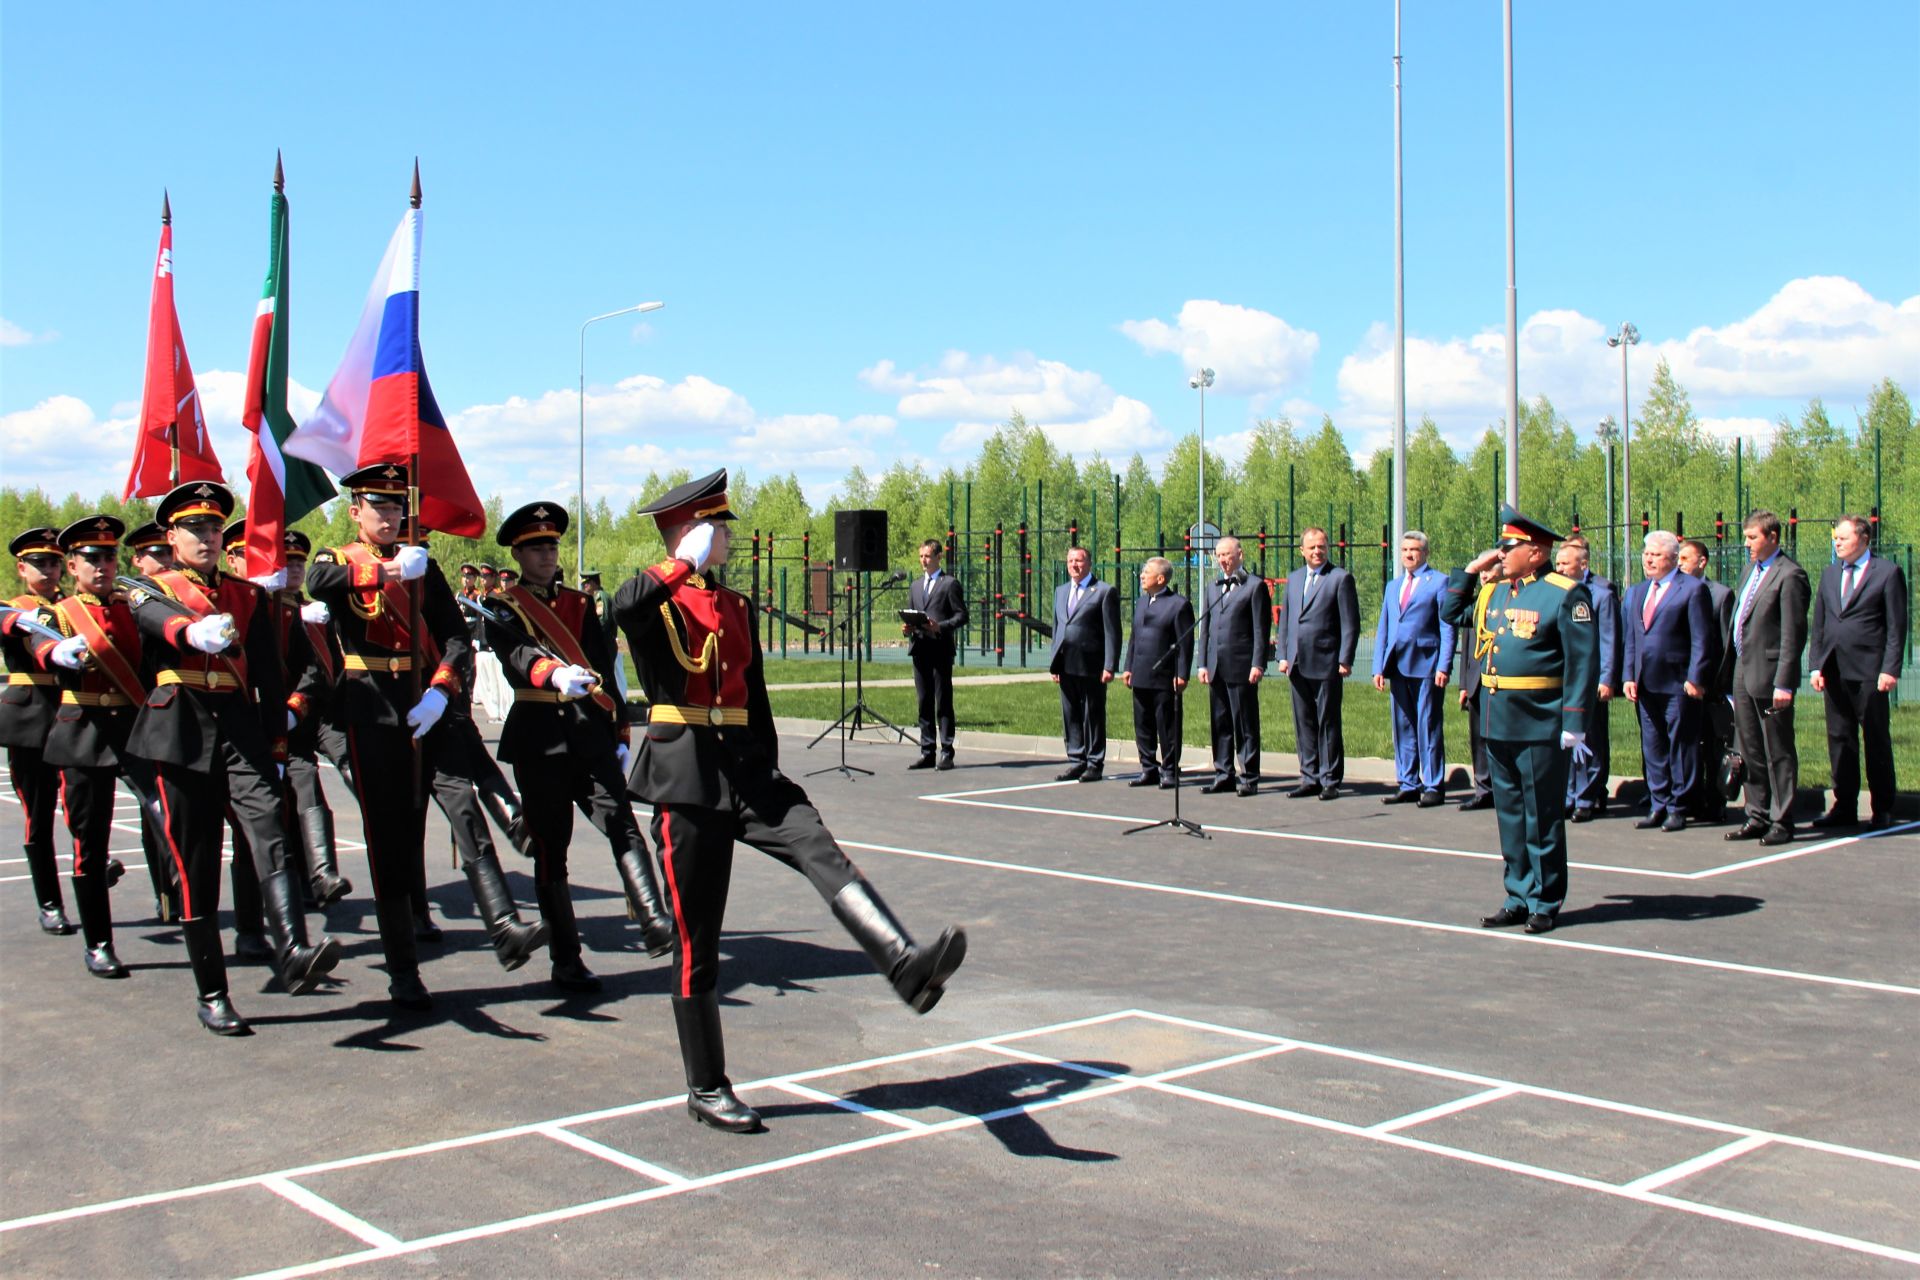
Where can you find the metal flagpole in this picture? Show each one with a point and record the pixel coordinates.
(1399, 308)
(1513, 293)
(173, 428)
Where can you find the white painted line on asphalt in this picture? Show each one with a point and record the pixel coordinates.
(1444, 1109)
(1803, 850)
(812, 1094)
(1336, 913)
(328, 1211)
(1705, 1160)
(612, 1155)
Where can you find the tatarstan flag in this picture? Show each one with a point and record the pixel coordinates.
(280, 489)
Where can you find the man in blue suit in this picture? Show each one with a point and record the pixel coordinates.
(1412, 658)
(1319, 628)
(1670, 646)
(1587, 775)
(1086, 653)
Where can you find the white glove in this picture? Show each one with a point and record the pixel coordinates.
(412, 562)
(71, 653)
(293, 721)
(427, 712)
(275, 581)
(316, 612)
(696, 546)
(1577, 742)
(574, 682)
(211, 634)
(623, 751)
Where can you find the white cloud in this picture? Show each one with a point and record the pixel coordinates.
(1251, 352)
(1075, 407)
(62, 447)
(813, 442)
(12, 335)
(1758, 430)
(1819, 336)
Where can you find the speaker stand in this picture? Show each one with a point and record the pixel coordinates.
(859, 716)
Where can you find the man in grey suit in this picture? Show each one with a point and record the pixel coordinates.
(1234, 644)
(1859, 638)
(1086, 653)
(1769, 631)
(1709, 803)
(1159, 658)
(1318, 631)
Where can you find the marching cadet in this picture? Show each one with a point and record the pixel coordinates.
(148, 548)
(250, 944)
(363, 585)
(26, 714)
(311, 699)
(213, 723)
(709, 766)
(567, 739)
(1542, 653)
(101, 690)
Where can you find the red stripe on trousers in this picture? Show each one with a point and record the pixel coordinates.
(180, 863)
(66, 811)
(679, 917)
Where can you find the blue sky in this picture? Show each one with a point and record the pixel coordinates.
(879, 229)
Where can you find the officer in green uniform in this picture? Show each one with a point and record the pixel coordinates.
(1541, 646)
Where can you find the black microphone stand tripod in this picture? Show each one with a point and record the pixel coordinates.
(859, 716)
(1177, 822)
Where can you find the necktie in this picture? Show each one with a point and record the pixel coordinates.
(1653, 602)
(1846, 583)
(1313, 576)
(1746, 606)
(1073, 599)
(1406, 593)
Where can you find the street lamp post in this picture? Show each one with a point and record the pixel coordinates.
(580, 501)
(1200, 381)
(1627, 337)
(1608, 433)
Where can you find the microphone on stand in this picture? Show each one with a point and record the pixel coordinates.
(898, 575)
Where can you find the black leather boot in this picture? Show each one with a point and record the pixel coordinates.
(710, 1096)
(300, 965)
(217, 1013)
(504, 808)
(394, 915)
(46, 890)
(918, 974)
(570, 973)
(96, 925)
(160, 870)
(249, 924)
(326, 884)
(513, 941)
(643, 900)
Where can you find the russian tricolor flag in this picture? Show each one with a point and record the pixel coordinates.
(379, 407)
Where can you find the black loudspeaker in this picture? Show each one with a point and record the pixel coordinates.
(860, 541)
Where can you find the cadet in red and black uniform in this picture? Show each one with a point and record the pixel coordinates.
(151, 554)
(709, 765)
(384, 701)
(101, 691)
(26, 713)
(214, 723)
(311, 644)
(566, 738)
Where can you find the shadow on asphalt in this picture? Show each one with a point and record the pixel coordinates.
(1661, 906)
(992, 1090)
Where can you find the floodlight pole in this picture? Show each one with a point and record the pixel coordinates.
(1399, 308)
(1513, 292)
(1627, 337)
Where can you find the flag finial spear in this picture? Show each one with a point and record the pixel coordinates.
(166, 208)
(414, 199)
(279, 174)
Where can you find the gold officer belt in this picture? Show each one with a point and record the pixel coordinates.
(74, 698)
(669, 713)
(537, 695)
(211, 681)
(30, 677)
(391, 665)
(1521, 682)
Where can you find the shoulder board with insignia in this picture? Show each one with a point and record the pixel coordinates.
(326, 556)
(1560, 580)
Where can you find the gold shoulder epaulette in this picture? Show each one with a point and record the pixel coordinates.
(1560, 580)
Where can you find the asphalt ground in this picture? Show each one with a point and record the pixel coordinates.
(1285, 1048)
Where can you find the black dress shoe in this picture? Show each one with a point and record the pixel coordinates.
(1304, 790)
(1539, 924)
(115, 869)
(1168, 784)
(1473, 804)
(722, 1109)
(1582, 813)
(1676, 821)
(1401, 797)
(218, 1015)
(1246, 788)
(574, 976)
(1147, 779)
(1747, 831)
(410, 993)
(946, 763)
(53, 920)
(924, 762)
(1777, 834)
(425, 930)
(1091, 775)
(102, 963)
(1071, 774)
(1834, 819)
(1880, 822)
(1431, 800)
(1651, 821)
(1504, 918)
(1330, 792)
(1219, 786)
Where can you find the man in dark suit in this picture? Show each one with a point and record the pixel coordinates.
(1234, 641)
(931, 646)
(1709, 801)
(1769, 631)
(1086, 653)
(1669, 649)
(1159, 656)
(1319, 630)
(1587, 778)
(1859, 637)
(1475, 643)
(1413, 657)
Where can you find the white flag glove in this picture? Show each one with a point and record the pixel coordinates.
(412, 562)
(293, 721)
(623, 751)
(71, 653)
(427, 712)
(574, 682)
(696, 546)
(211, 634)
(316, 612)
(275, 581)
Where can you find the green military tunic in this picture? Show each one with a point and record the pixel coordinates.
(1539, 641)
